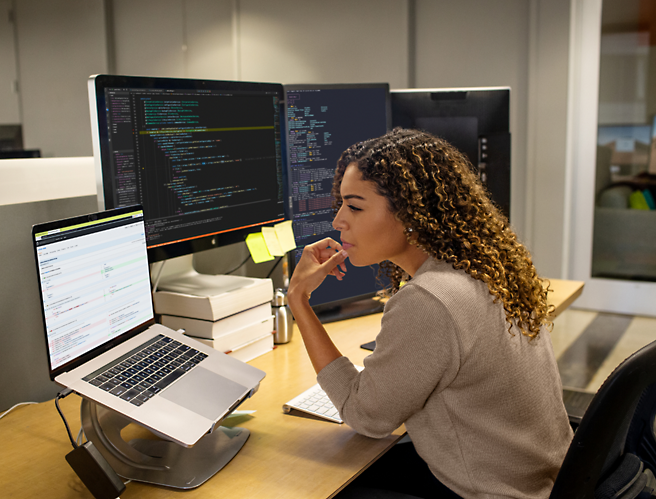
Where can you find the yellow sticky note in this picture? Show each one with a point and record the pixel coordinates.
(285, 235)
(258, 248)
(271, 240)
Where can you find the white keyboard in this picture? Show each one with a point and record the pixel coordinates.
(314, 401)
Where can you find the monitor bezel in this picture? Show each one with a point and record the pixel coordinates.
(96, 86)
(475, 107)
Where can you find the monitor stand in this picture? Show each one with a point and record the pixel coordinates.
(156, 461)
(350, 310)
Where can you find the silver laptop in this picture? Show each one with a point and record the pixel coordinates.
(102, 338)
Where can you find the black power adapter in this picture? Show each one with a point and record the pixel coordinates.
(95, 472)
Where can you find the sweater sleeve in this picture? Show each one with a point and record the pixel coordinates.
(417, 352)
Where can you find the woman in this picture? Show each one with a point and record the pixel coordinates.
(463, 357)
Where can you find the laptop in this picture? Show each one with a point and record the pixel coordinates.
(102, 339)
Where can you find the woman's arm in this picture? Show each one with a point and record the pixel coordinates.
(320, 347)
(319, 260)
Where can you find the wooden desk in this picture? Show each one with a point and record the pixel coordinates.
(286, 455)
(564, 293)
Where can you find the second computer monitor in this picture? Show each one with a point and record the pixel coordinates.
(323, 121)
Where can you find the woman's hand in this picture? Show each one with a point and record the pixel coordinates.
(323, 258)
(319, 260)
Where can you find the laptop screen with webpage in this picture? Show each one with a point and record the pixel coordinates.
(95, 284)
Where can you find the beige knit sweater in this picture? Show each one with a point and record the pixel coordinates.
(482, 406)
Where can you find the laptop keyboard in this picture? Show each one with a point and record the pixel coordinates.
(146, 370)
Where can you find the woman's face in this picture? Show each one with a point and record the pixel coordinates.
(369, 231)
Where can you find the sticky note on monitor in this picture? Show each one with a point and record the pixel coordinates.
(271, 240)
(285, 235)
(258, 248)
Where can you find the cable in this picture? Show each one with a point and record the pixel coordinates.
(80, 436)
(240, 265)
(61, 395)
(159, 273)
(14, 407)
(89, 465)
(274, 267)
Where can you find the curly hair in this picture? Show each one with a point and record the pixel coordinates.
(435, 193)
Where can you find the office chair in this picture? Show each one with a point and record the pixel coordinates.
(613, 453)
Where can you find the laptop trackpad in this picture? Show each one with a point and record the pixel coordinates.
(205, 393)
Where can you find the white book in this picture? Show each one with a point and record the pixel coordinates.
(250, 350)
(253, 349)
(237, 338)
(210, 297)
(214, 329)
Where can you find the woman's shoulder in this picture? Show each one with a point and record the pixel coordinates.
(437, 280)
(440, 276)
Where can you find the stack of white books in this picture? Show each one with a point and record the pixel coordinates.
(230, 313)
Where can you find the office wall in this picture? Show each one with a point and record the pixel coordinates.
(32, 191)
(340, 41)
(59, 45)
(148, 37)
(9, 109)
(176, 38)
(524, 45)
(258, 40)
(23, 361)
(471, 43)
(547, 204)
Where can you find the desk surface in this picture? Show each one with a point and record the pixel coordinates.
(285, 456)
(564, 293)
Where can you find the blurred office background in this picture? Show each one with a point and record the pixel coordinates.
(582, 108)
(48, 49)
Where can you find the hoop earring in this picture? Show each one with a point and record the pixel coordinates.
(410, 234)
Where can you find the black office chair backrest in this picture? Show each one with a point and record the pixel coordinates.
(619, 421)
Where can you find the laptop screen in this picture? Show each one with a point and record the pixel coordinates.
(94, 280)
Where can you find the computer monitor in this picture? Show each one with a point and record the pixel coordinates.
(475, 120)
(204, 157)
(323, 121)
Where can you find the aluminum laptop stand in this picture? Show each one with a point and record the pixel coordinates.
(157, 461)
